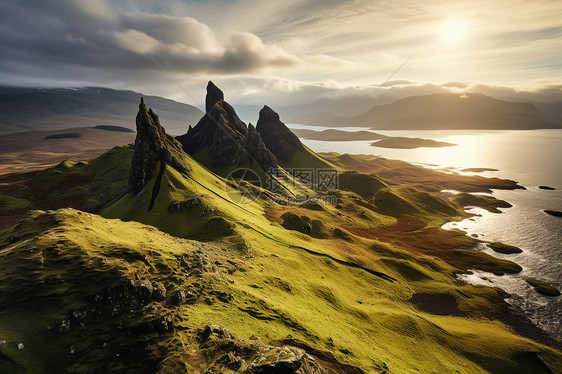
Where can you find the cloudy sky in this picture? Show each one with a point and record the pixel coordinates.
(285, 51)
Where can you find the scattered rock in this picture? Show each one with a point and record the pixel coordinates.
(158, 292)
(232, 361)
(555, 213)
(64, 326)
(546, 188)
(504, 248)
(177, 297)
(284, 360)
(254, 357)
(215, 332)
(179, 206)
(144, 290)
(543, 288)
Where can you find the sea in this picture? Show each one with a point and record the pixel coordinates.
(531, 157)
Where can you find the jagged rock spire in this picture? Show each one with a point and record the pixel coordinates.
(257, 149)
(277, 137)
(214, 94)
(153, 145)
(228, 140)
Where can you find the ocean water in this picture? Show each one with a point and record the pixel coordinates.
(532, 158)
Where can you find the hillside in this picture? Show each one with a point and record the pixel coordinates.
(146, 260)
(40, 108)
(445, 111)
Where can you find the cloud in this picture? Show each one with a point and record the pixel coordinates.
(286, 50)
(54, 40)
(134, 41)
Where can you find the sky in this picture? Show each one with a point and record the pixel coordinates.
(286, 52)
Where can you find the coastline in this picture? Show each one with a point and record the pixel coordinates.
(509, 312)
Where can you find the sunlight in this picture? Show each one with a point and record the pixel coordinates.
(453, 31)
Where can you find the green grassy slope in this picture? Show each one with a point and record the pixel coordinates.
(87, 185)
(306, 159)
(350, 297)
(62, 259)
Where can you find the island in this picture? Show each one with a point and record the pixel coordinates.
(410, 143)
(337, 135)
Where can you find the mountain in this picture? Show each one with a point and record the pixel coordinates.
(223, 137)
(443, 111)
(553, 110)
(39, 108)
(222, 141)
(145, 260)
(342, 107)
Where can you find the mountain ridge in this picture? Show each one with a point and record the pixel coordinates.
(58, 108)
(443, 111)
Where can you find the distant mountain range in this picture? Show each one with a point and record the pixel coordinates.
(446, 111)
(38, 108)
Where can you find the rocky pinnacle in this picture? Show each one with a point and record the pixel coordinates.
(153, 145)
(214, 94)
(276, 136)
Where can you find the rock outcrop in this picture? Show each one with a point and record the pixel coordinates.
(152, 146)
(276, 135)
(214, 94)
(235, 355)
(257, 149)
(227, 138)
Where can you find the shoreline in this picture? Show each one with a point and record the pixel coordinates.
(511, 313)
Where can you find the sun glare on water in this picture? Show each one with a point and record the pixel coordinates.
(453, 31)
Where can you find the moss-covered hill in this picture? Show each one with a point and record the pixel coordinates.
(186, 274)
(84, 293)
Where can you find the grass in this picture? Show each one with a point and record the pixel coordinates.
(324, 292)
(306, 159)
(400, 200)
(401, 172)
(490, 203)
(9, 203)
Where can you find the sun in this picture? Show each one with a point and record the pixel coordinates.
(453, 31)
